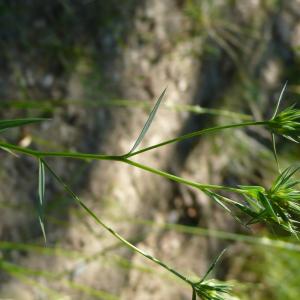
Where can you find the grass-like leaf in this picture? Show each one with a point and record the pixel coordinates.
(41, 182)
(41, 192)
(273, 135)
(279, 100)
(5, 124)
(43, 228)
(148, 123)
(8, 151)
(211, 289)
(212, 266)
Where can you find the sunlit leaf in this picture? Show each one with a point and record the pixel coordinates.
(279, 100)
(148, 123)
(41, 182)
(41, 192)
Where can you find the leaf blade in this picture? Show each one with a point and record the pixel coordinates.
(148, 122)
(212, 265)
(41, 193)
(279, 100)
(5, 124)
(41, 182)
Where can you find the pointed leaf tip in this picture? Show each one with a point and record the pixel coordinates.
(5, 124)
(41, 192)
(279, 100)
(213, 264)
(41, 181)
(43, 229)
(148, 122)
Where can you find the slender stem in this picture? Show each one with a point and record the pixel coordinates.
(131, 246)
(124, 158)
(200, 186)
(197, 133)
(75, 155)
(175, 178)
(194, 294)
(115, 234)
(41, 154)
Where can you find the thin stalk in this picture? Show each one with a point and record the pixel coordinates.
(172, 177)
(115, 234)
(197, 133)
(75, 155)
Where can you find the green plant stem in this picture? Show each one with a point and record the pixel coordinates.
(41, 155)
(89, 156)
(172, 177)
(115, 234)
(198, 133)
(75, 155)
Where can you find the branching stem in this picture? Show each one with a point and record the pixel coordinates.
(87, 156)
(198, 133)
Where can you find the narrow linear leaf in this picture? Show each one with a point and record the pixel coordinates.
(9, 151)
(4, 124)
(275, 152)
(213, 264)
(41, 182)
(41, 192)
(267, 205)
(279, 100)
(148, 123)
(43, 228)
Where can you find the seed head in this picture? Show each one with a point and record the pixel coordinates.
(279, 204)
(212, 289)
(287, 124)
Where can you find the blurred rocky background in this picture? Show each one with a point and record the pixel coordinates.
(95, 68)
